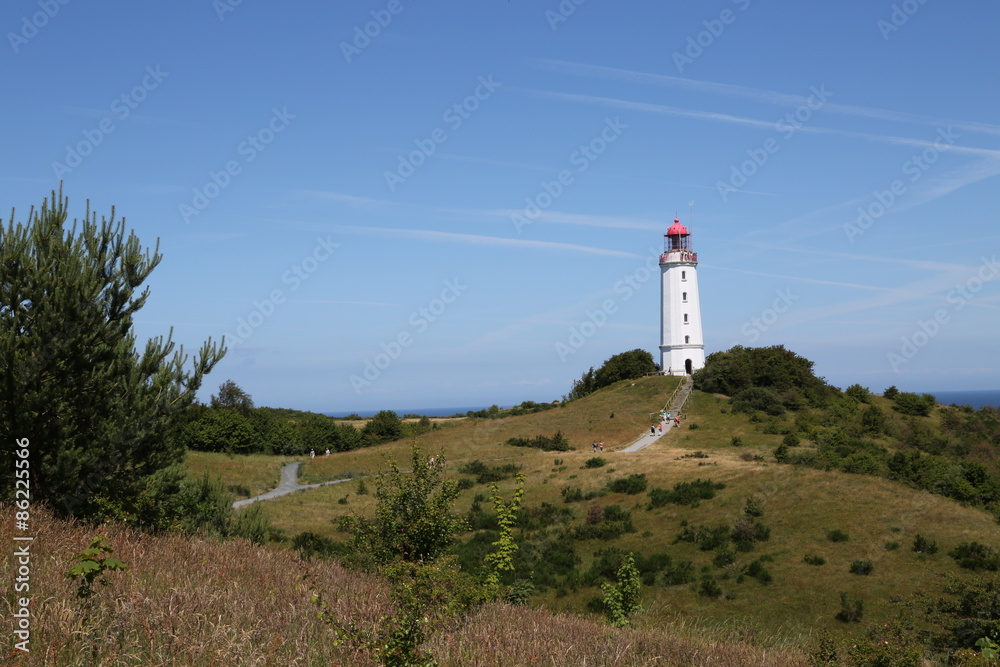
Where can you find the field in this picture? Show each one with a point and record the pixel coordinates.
(800, 506)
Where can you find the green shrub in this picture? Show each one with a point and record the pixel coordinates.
(754, 399)
(633, 484)
(837, 535)
(864, 567)
(975, 556)
(813, 559)
(922, 545)
(790, 440)
(851, 609)
(594, 462)
(709, 588)
(485, 473)
(572, 494)
(892, 546)
(680, 573)
(757, 570)
(556, 443)
(684, 493)
(736, 441)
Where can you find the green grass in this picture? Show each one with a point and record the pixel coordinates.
(244, 476)
(801, 505)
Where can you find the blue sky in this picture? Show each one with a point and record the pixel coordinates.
(459, 186)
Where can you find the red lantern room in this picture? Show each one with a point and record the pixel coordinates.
(677, 237)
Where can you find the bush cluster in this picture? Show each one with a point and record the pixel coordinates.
(684, 493)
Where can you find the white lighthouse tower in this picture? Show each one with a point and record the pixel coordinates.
(682, 346)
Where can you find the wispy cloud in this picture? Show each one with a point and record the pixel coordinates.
(631, 105)
(560, 218)
(756, 94)
(360, 202)
(470, 239)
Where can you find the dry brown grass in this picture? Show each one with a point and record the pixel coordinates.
(201, 602)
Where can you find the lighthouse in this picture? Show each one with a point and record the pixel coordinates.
(682, 347)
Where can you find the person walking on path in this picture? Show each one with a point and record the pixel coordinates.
(601, 445)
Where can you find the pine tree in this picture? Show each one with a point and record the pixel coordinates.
(99, 415)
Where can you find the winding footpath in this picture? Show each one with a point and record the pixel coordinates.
(289, 484)
(290, 473)
(675, 408)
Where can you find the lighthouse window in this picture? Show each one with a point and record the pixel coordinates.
(687, 339)
(684, 275)
(685, 318)
(684, 296)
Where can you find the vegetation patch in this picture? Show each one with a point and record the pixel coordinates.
(555, 443)
(684, 493)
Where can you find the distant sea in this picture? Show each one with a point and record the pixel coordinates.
(976, 399)
(424, 412)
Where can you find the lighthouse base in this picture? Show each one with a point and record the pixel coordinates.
(679, 360)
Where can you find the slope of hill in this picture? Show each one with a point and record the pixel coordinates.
(571, 546)
(189, 601)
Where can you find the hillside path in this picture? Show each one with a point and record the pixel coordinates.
(289, 484)
(674, 408)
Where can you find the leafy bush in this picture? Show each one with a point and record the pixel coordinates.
(754, 399)
(680, 573)
(922, 545)
(864, 567)
(594, 462)
(813, 559)
(837, 535)
(556, 443)
(485, 473)
(908, 403)
(892, 546)
(625, 366)
(685, 493)
(851, 609)
(709, 588)
(858, 393)
(757, 570)
(747, 531)
(572, 494)
(724, 556)
(633, 484)
(975, 556)
(790, 440)
(774, 368)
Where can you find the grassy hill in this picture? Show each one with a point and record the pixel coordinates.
(800, 505)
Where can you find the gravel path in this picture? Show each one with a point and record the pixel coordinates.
(289, 484)
(647, 439)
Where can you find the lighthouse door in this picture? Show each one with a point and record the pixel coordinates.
(687, 366)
